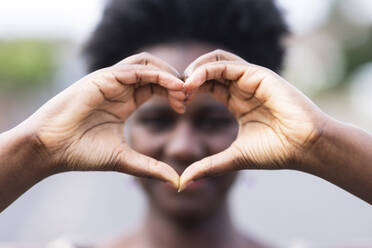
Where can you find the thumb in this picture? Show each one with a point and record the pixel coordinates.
(225, 161)
(137, 164)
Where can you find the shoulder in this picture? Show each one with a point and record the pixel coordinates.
(132, 241)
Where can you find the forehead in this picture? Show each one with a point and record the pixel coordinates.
(180, 54)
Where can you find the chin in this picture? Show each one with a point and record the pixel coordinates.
(200, 200)
(187, 209)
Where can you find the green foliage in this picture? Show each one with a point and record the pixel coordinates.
(359, 55)
(25, 63)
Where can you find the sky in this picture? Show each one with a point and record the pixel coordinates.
(75, 19)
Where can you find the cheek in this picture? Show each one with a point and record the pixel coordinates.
(146, 142)
(220, 140)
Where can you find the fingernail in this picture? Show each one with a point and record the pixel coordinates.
(182, 110)
(173, 184)
(184, 186)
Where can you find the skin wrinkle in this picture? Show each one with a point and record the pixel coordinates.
(97, 125)
(109, 113)
(206, 73)
(250, 111)
(92, 113)
(138, 77)
(290, 140)
(146, 62)
(117, 79)
(241, 159)
(218, 57)
(318, 134)
(300, 146)
(222, 79)
(269, 126)
(40, 145)
(115, 160)
(103, 94)
(150, 166)
(255, 90)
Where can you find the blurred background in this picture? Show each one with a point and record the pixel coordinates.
(329, 58)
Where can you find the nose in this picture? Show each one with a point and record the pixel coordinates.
(184, 146)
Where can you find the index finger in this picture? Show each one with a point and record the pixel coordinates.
(145, 74)
(146, 58)
(221, 70)
(215, 56)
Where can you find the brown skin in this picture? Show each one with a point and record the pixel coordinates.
(197, 217)
(279, 128)
(82, 128)
(179, 140)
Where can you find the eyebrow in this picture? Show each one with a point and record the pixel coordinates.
(213, 108)
(155, 108)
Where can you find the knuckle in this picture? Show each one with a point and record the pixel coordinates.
(144, 54)
(218, 52)
(104, 74)
(145, 57)
(101, 71)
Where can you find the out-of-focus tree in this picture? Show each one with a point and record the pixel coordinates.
(26, 64)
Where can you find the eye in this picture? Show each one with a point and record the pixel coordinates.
(157, 122)
(210, 123)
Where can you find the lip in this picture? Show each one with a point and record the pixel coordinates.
(196, 184)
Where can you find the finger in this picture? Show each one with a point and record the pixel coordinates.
(145, 58)
(137, 164)
(215, 56)
(142, 74)
(225, 161)
(221, 70)
(178, 106)
(217, 90)
(175, 98)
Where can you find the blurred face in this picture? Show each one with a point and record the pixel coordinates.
(206, 128)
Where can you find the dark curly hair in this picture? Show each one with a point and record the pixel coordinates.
(250, 28)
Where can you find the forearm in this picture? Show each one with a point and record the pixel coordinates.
(21, 166)
(343, 156)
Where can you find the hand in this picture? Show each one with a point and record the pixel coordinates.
(82, 128)
(277, 123)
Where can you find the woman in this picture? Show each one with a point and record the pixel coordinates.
(231, 115)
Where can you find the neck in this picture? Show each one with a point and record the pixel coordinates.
(164, 231)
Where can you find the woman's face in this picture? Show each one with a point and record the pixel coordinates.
(206, 128)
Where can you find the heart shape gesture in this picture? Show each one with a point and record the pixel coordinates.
(82, 127)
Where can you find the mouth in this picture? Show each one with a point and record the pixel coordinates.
(199, 186)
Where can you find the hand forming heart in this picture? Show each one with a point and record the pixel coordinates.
(82, 127)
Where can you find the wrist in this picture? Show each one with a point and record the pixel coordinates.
(23, 149)
(21, 165)
(317, 156)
